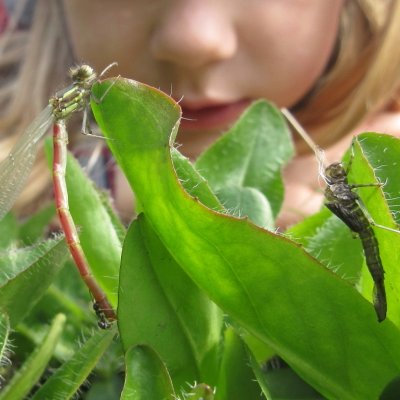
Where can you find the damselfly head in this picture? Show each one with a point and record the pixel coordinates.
(335, 173)
(82, 74)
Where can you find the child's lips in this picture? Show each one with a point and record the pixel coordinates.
(211, 115)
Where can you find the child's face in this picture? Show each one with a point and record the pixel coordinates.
(216, 54)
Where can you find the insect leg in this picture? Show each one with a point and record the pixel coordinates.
(371, 220)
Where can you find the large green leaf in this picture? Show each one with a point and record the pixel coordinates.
(26, 274)
(316, 321)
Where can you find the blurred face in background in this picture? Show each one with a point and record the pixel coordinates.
(215, 55)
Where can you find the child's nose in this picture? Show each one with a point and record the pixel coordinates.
(193, 33)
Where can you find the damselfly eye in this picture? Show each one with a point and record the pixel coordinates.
(82, 73)
(335, 172)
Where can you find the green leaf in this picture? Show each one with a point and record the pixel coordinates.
(303, 231)
(236, 380)
(382, 153)
(26, 274)
(65, 382)
(259, 350)
(99, 239)
(375, 160)
(250, 155)
(335, 246)
(316, 321)
(248, 202)
(28, 375)
(4, 336)
(108, 388)
(146, 376)
(161, 307)
(34, 228)
(193, 182)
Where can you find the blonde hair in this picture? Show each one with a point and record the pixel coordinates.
(365, 74)
(362, 76)
(31, 62)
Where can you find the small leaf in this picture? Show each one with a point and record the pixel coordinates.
(26, 274)
(4, 336)
(236, 380)
(146, 376)
(250, 155)
(248, 202)
(34, 228)
(193, 182)
(68, 378)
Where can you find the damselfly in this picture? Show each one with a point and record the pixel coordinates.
(15, 169)
(347, 205)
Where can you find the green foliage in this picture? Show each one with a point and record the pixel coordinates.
(73, 372)
(29, 374)
(243, 167)
(311, 317)
(29, 271)
(183, 326)
(208, 300)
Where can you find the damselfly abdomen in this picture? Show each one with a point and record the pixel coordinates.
(345, 204)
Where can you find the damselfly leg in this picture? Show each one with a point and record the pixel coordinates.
(102, 319)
